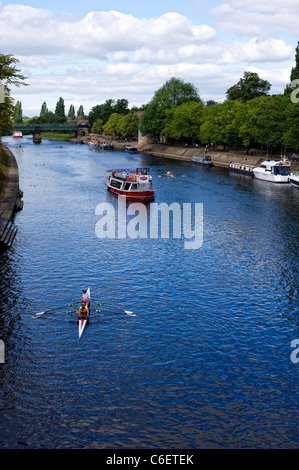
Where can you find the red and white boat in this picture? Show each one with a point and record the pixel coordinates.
(134, 184)
(17, 134)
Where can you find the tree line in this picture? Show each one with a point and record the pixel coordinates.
(249, 117)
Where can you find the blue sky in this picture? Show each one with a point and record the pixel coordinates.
(89, 51)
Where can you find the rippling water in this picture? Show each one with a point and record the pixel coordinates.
(205, 363)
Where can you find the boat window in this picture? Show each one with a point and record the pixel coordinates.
(283, 170)
(115, 184)
(134, 186)
(127, 186)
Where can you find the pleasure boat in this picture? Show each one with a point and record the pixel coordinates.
(106, 146)
(17, 134)
(204, 160)
(276, 171)
(93, 143)
(241, 168)
(130, 149)
(294, 179)
(134, 184)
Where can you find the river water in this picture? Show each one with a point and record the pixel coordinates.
(206, 360)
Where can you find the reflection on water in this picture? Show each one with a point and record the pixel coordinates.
(205, 363)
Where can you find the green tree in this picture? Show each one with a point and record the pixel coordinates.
(295, 70)
(112, 125)
(97, 126)
(184, 121)
(80, 111)
(43, 113)
(9, 74)
(249, 87)
(218, 120)
(173, 93)
(128, 126)
(71, 113)
(291, 132)
(60, 111)
(18, 113)
(121, 107)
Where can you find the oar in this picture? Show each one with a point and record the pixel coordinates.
(113, 308)
(54, 309)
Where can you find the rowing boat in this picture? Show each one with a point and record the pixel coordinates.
(84, 319)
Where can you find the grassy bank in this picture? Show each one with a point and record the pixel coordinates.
(55, 135)
(3, 169)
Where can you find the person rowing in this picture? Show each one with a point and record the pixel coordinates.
(85, 298)
(83, 310)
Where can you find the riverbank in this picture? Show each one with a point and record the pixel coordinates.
(10, 200)
(219, 158)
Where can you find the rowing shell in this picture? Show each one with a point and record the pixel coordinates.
(83, 320)
(82, 324)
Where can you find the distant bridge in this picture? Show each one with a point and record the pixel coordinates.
(46, 127)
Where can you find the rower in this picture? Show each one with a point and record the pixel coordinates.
(85, 298)
(83, 311)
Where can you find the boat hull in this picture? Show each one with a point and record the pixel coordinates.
(241, 169)
(82, 324)
(294, 181)
(133, 195)
(204, 161)
(271, 178)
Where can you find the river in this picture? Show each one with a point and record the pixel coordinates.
(205, 363)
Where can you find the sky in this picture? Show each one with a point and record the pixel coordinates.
(89, 51)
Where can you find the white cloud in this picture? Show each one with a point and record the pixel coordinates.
(258, 17)
(109, 54)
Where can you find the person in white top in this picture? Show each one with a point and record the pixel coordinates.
(86, 299)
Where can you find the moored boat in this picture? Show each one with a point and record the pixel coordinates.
(136, 184)
(204, 160)
(294, 179)
(93, 143)
(130, 149)
(17, 134)
(276, 171)
(106, 146)
(242, 168)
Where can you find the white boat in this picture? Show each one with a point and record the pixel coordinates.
(276, 171)
(93, 143)
(83, 320)
(294, 179)
(204, 160)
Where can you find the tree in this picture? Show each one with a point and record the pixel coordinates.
(112, 125)
(128, 126)
(173, 93)
(97, 126)
(295, 70)
(218, 122)
(121, 107)
(9, 74)
(18, 114)
(44, 110)
(184, 121)
(80, 111)
(249, 87)
(60, 111)
(71, 113)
